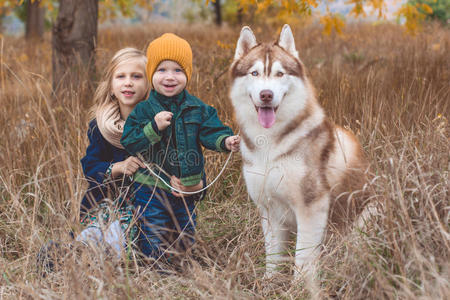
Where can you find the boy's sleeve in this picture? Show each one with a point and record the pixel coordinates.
(213, 132)
(140, 131)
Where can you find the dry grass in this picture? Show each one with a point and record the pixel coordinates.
(391, 89)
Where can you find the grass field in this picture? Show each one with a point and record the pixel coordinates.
(391, 89)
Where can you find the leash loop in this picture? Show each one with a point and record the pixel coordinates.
(139, 155)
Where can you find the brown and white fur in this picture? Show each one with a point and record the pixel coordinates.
(301, 169)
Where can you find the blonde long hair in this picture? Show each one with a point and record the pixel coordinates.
(103, 95)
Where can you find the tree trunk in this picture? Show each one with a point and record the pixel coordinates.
(34, 28)
(1, 23)
(218, 11)
(240, 16)
(73, 44)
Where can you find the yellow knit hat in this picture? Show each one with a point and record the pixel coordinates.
(169, 47)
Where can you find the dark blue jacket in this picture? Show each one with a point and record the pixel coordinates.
(99, 156)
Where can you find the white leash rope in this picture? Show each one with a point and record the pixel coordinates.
(139, 155)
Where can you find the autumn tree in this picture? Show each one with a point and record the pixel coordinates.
(74, 32)
(440, 9)
(291, 11)
(218, 12)
(74, 37)
(35, 16)
(30, 12)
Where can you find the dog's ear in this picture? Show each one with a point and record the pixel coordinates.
(245, 42)
(286, 40)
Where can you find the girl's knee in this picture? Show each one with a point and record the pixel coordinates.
(90, 235)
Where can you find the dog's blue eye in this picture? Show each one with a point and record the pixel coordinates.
(280, 74)
(255, 73)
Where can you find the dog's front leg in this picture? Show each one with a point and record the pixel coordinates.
(276, 236)
(311, 224)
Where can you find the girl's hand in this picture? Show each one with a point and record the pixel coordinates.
(176, 183)
(128, 166)
(232, 143)
(163, 119)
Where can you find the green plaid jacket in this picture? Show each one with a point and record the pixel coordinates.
(176, 149)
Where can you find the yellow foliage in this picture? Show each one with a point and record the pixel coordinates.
(291, 9)
(51, 7)
(9, 4)
(226, 46)
(109, 9)
(413, 16)
(330, 22)
(312, 3)
(427, 8)
(282, 8)
(358, 7)
(261, 7)
(246, 4)
(378, 5)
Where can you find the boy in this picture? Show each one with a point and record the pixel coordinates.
(167, 130)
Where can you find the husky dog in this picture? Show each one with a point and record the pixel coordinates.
(301, 170)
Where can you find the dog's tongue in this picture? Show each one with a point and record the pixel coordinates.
(266, 116)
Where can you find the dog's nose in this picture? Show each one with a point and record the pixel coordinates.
(266, 95)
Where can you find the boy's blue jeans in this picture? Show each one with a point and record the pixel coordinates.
(165, 221)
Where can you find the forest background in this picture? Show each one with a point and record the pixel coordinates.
(386, 82)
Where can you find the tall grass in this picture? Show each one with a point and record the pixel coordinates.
(390, 88)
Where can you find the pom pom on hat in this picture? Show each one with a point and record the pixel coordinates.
(169, 47)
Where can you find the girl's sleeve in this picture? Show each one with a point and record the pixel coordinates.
(213, 132)
(97, 159)
(140, 131)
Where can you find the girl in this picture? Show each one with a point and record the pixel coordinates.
(106, 162)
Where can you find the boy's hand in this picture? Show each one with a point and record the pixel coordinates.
(163, 119)
(128, 166)
(232, 143)
(176, 183)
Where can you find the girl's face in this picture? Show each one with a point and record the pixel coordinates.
(169, 78)
(129, 84)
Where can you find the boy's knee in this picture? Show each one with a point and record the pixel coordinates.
(150, 245)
